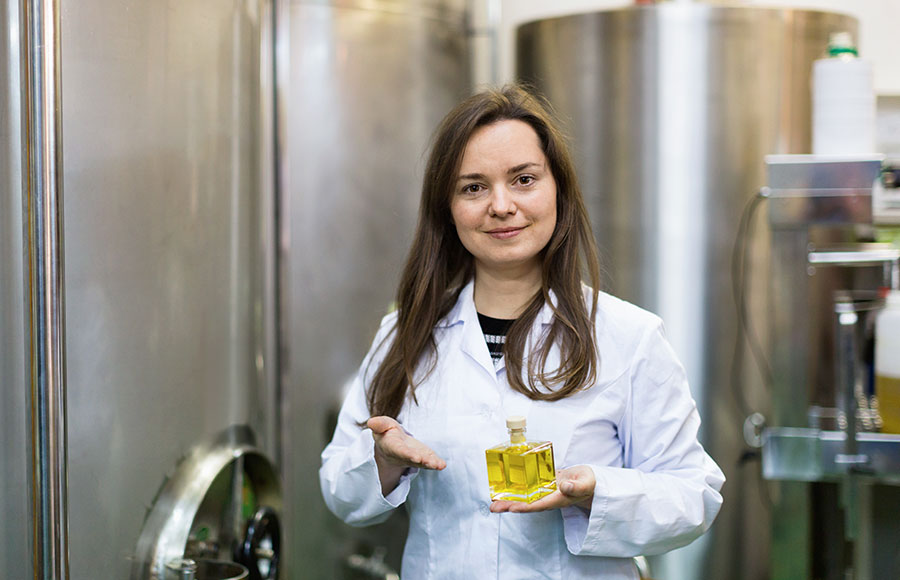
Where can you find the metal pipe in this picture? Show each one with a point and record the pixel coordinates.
(850, 257)
(846, 369)
(268, 343)
(44, 289)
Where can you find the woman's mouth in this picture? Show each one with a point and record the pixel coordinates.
(504, 233)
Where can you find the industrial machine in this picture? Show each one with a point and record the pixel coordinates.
(837, 495)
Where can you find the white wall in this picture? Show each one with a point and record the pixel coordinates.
(879, 39)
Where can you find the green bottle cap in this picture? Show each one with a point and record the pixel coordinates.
(841, 43)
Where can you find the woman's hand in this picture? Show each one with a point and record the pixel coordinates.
(395, 452)
(574, 486)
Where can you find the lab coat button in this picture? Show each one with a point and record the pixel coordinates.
(485, 510)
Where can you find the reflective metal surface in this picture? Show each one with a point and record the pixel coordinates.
(819, 214)
(162, 219)
(804, 189)
(226, 477)
(15, 529)
(671, 110)
(856, 255)
(267, 315)
(164, 281)
(366, 83)
(188, 569)
(825, 279)
(218, 570)
(801, 454)
(45, 287)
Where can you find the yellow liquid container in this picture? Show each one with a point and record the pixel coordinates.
(520, 470)
(887, 363)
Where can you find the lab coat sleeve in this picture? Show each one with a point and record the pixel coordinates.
(667, 493)
(349, 475)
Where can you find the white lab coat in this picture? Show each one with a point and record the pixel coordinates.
(656, 490)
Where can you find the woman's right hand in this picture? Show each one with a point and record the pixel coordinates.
(395, 452)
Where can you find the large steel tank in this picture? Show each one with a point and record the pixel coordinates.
(672, 108)
(165, 252)
(363, 85)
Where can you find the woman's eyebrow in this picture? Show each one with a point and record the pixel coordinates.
(522, 166)
(509, 171)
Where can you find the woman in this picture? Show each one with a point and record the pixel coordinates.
(502, 240)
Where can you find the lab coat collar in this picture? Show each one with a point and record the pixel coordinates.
(464, 309)
(473, 344)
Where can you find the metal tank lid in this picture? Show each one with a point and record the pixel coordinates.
(433, 9)
(694, 7)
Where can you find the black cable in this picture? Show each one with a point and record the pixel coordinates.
(740, 265)
(751, 456)
(745, 332)
(736, 284)
(758, 355)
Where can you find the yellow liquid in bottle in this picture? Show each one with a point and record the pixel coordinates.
(888, 391)
(521, 472)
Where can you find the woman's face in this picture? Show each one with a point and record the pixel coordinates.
(504, 200)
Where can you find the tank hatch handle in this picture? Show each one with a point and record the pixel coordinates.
(261, 546)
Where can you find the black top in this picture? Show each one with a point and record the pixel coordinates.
(494, 330)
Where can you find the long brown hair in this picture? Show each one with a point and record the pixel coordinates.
(438, 266)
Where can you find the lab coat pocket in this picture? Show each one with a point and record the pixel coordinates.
(532, 544)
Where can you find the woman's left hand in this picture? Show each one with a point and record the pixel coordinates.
(574, 486)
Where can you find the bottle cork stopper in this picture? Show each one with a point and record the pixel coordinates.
(515, 422)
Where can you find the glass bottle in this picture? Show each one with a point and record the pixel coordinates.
(520, 470)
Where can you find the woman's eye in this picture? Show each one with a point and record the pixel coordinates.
(472, 188)
(525, 179)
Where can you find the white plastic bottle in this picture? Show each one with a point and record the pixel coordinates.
(887, 363)
(843, 101)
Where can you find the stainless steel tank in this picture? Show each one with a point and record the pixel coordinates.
(165, 213)
(672, 108)
(363, 86)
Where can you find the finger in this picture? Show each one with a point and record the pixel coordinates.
(381, 424)
(576, 490)
(500, 506)
(571, 488)
(552, 501)
(435, 463)
(410, 452)
(429, 462)
(576, 482)
(429, 459)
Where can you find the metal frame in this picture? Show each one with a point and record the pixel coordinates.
(44, 287)
(815, 204)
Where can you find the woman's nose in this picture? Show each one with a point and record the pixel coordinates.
(502, 203)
